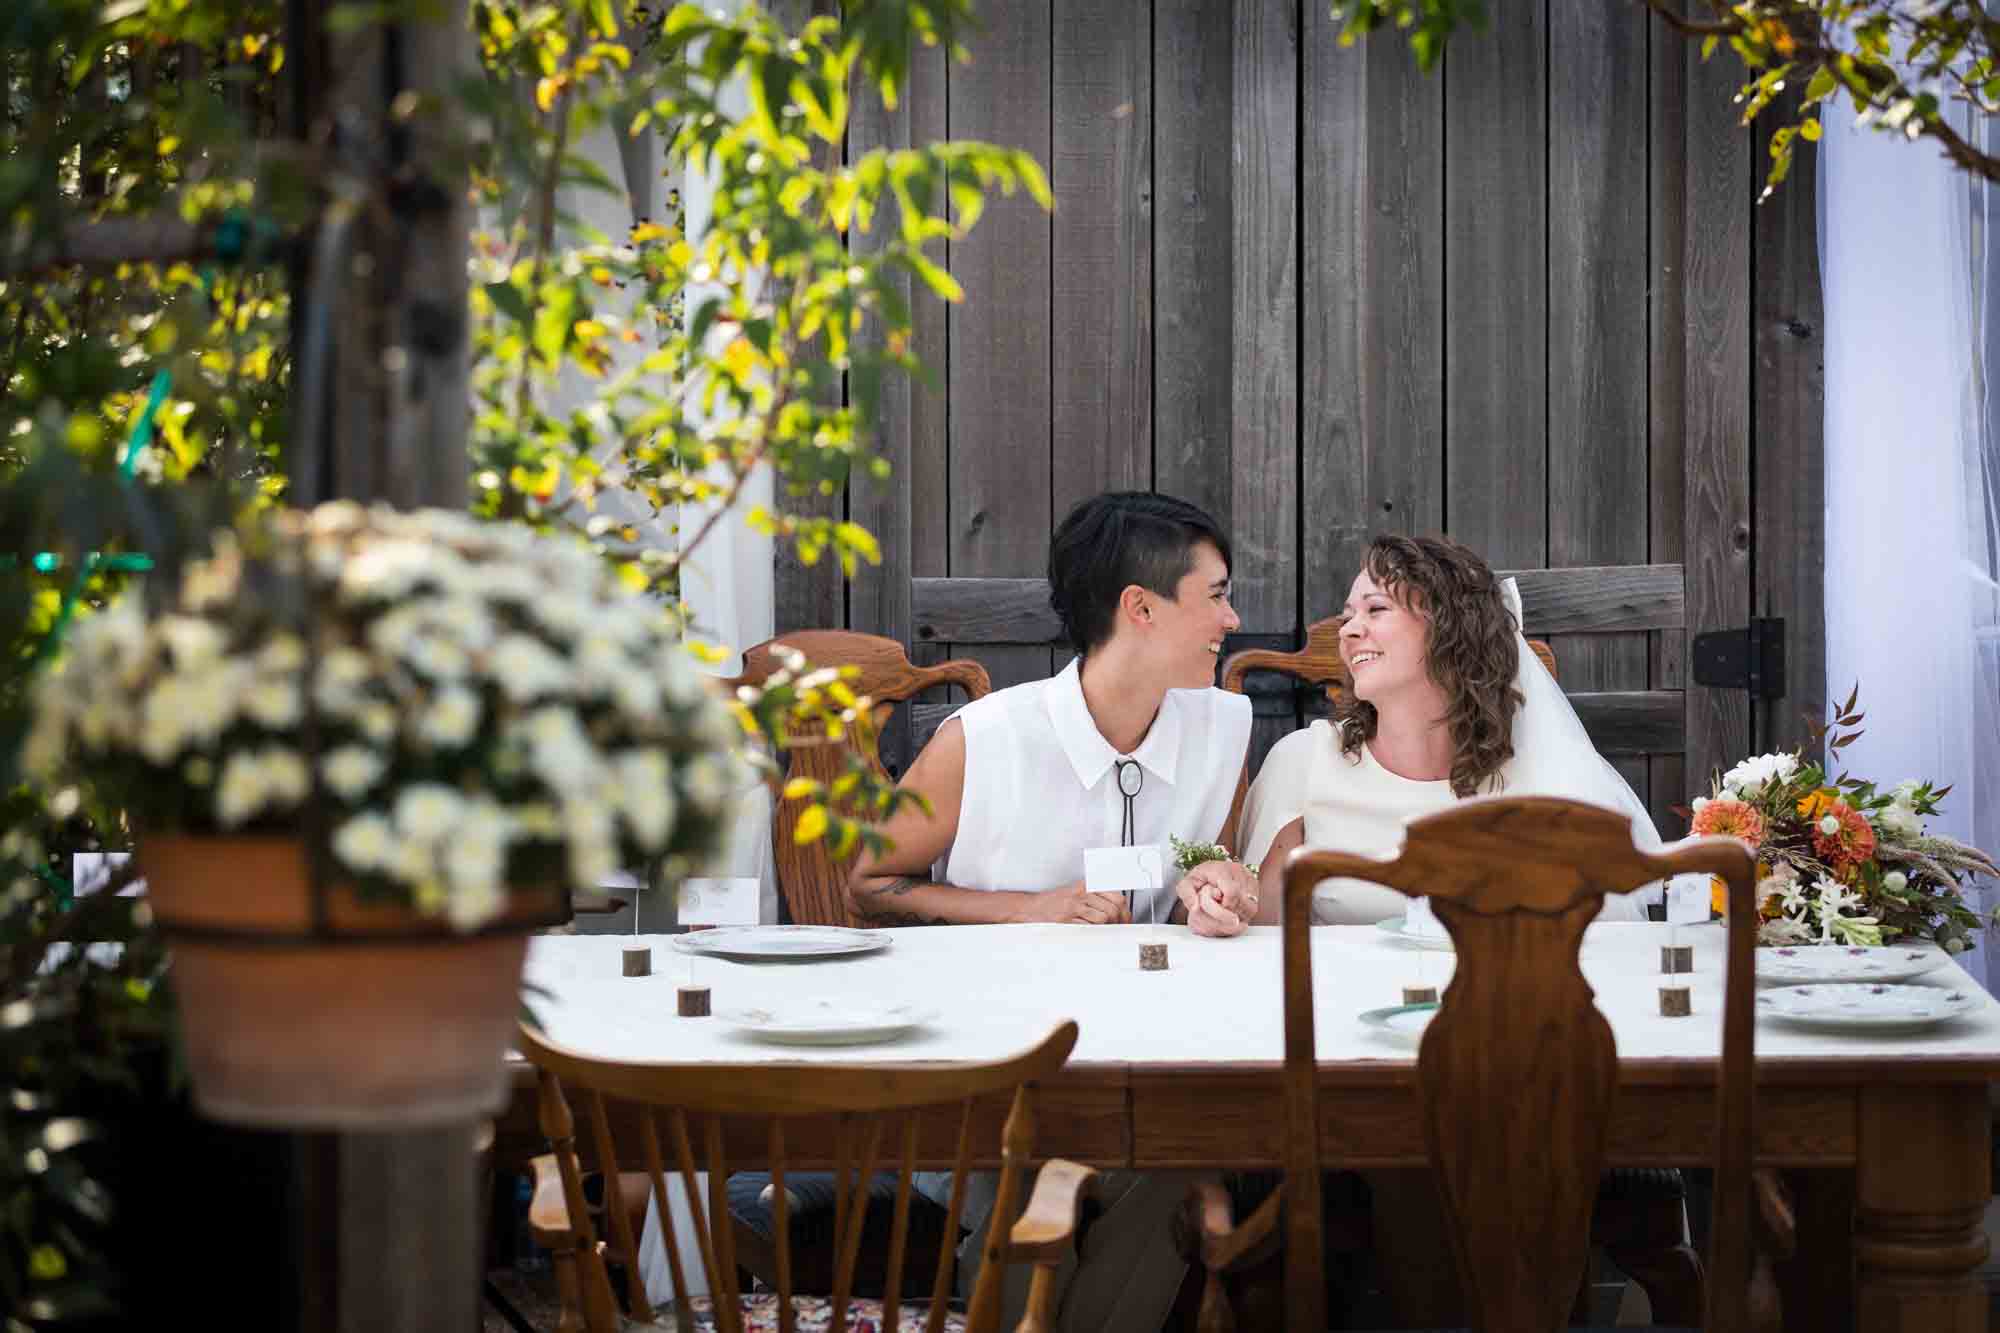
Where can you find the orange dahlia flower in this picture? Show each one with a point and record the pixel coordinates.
(1848, 845)
(1731, 819)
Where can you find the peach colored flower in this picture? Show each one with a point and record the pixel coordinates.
(1731, 819)
(1850, 843)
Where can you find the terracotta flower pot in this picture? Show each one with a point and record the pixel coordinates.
(372, 1018)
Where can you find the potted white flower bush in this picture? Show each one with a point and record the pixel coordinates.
(365, 753)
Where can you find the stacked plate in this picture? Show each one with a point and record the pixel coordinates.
(1854, 988)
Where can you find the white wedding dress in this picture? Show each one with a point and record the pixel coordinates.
(1357, 805)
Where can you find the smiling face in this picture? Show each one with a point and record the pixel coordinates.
(1185, 632)
(1384, 643)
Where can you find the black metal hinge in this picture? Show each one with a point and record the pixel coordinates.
(1750, 659)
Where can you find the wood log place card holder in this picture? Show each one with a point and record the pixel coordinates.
(639, 961)
(1138, 872)
(691, 1001)
(1421, 920)
(1687, 903)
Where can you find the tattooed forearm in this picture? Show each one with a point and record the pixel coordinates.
(870, 903)
(889, 916)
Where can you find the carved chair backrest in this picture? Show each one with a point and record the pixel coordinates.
(1517, 1072)
(846, 1117)
(813, 881)
(1318, 663)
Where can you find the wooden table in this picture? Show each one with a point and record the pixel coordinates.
(1908, 1117)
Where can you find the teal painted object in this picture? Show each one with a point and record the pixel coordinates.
(48, 562)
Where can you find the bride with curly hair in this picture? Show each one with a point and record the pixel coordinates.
(1445, 701)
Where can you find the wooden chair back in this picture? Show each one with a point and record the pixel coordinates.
(1318, 663)
(813, 882)
(842, 1115)
(1517, 1072)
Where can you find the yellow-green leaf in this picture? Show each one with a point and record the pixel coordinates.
(799, 787)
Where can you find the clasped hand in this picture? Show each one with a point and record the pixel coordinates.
(1220, 897)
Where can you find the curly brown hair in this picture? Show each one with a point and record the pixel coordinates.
(1470, 644)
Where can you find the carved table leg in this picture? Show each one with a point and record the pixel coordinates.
(1921, 1187)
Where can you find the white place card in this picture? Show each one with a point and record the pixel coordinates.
(1687, 900)
(1141, 869)
(719, 902)
(1421, 920)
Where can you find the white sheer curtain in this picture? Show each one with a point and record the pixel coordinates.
(1910, 529)
(728, 583)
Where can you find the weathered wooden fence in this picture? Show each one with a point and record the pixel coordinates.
(1529, 300)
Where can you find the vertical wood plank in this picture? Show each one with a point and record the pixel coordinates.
(1194, 256)
(1716, 330)
(1789, 454)
(1667, 376)
(808, 596)
(1264, 376)
(929, 407)
(1496, 298)
(1597, 349)
(879, 595)
(1102, 299)
(906, 510)
(1000, 335)
(1372, 410)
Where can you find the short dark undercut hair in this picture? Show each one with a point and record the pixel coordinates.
(1112, 541)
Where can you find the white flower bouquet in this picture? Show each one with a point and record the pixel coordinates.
(456, 706)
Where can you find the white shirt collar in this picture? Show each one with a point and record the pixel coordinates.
(1090, 755)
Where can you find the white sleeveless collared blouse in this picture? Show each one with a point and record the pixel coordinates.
(1041, 783)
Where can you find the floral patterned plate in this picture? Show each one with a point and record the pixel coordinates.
(1868, 1008)
(1842, 962)
(779, 943)
(831, 1022)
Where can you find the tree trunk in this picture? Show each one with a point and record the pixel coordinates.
(380, 414)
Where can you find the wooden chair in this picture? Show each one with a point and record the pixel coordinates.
(1515, 880)
(842, 1113)
(1638, 1215)
(813, 882)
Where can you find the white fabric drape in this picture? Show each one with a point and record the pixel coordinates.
(727, 582)
(1910, 597)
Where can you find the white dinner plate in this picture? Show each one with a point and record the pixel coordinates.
(1395, 929)
(1834, 1007)
(780, 943)
(843, 1021)
(1842, 962)
(1404, 1022)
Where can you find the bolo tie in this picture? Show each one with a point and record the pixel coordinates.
(1131, 778)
